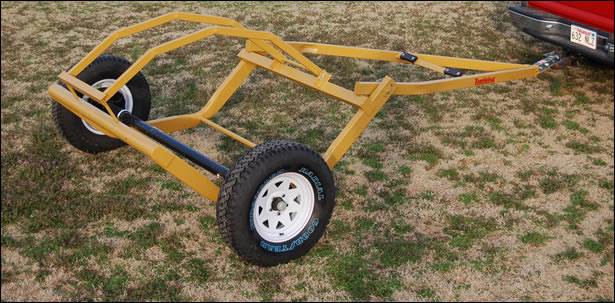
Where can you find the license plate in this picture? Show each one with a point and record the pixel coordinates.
(583, 36)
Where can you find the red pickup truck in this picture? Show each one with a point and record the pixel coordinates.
(580, 26)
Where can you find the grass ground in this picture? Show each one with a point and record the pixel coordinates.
(501, 192)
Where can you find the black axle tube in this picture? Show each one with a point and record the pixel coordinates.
(170, 142)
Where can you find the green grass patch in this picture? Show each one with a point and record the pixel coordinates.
(555, 181)
(464, 231)
(427, 195)
(373, 163)
(172, 185)
(69, 249)
(569, 254)
(534, 238)
(608, 185)
(337, 229)
(428, 294)
(598, 162)
(401, 227)
(352, 273)
(376, 175)
(361, 190)
(481, 179)
(573, 216)
(571, 125)
(397, 252)
(579, 206)
(393, 196)
(468, 198)
(524, 175)
(583, 283)
(547, 122)
(208, 223)
(484, 143)
(452, 174)
(593, 246)
(443, 267)
(581, 99)
(146, 236)
(513, 199)
(405, 170)
(72, 217)
(550, 220)
(111, 287)
(578, 199)
(428, 153)
(556, 86)
(199, 272)
(583, 148)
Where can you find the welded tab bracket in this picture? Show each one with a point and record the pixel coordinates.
(379, 96)
(82, 87)
(323, 78)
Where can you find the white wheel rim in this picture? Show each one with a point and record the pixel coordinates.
(124, 91)
(283, 207)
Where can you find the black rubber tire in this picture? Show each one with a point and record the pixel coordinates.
(71, 126)
(245, 180)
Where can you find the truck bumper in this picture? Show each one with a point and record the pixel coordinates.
(556, 30)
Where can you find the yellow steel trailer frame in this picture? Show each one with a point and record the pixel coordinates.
(269, 52)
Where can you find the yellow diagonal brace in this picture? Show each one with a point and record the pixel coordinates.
(359, 122)
(308, 80)
(226, 89)
(429, 65)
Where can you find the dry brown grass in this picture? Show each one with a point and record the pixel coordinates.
(116, 227)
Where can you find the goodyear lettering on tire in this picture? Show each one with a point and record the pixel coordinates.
(296, 243)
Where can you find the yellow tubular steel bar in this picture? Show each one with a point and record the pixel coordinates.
(226, 89)
(202, 34)
(391, 56)
(228, 133)
(433, 86)
(124, 32)
(236, 30)
(368, 97)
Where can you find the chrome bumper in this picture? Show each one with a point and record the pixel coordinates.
(556, 30)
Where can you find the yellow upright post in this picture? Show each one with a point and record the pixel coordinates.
(359, 122)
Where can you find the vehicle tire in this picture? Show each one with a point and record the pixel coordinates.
(134, 96)
(275, 202)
